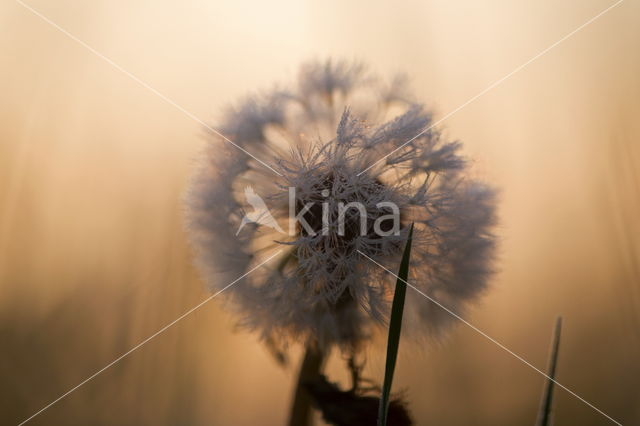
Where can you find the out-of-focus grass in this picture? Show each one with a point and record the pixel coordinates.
(622, 201)
(546, 402)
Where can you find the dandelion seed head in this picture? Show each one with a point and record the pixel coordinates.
(320, 135)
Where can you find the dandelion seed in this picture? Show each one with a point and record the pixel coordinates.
(320, 134)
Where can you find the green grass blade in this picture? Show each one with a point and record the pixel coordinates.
(395, 325)
(544, 416)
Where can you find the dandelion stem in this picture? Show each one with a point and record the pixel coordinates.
(309, 370)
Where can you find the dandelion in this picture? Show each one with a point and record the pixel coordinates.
(320, 136)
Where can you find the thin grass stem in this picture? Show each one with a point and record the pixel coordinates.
(395, 326)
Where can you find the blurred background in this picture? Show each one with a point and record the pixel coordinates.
(93, 257)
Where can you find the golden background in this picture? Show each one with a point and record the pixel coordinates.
(93, 257)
